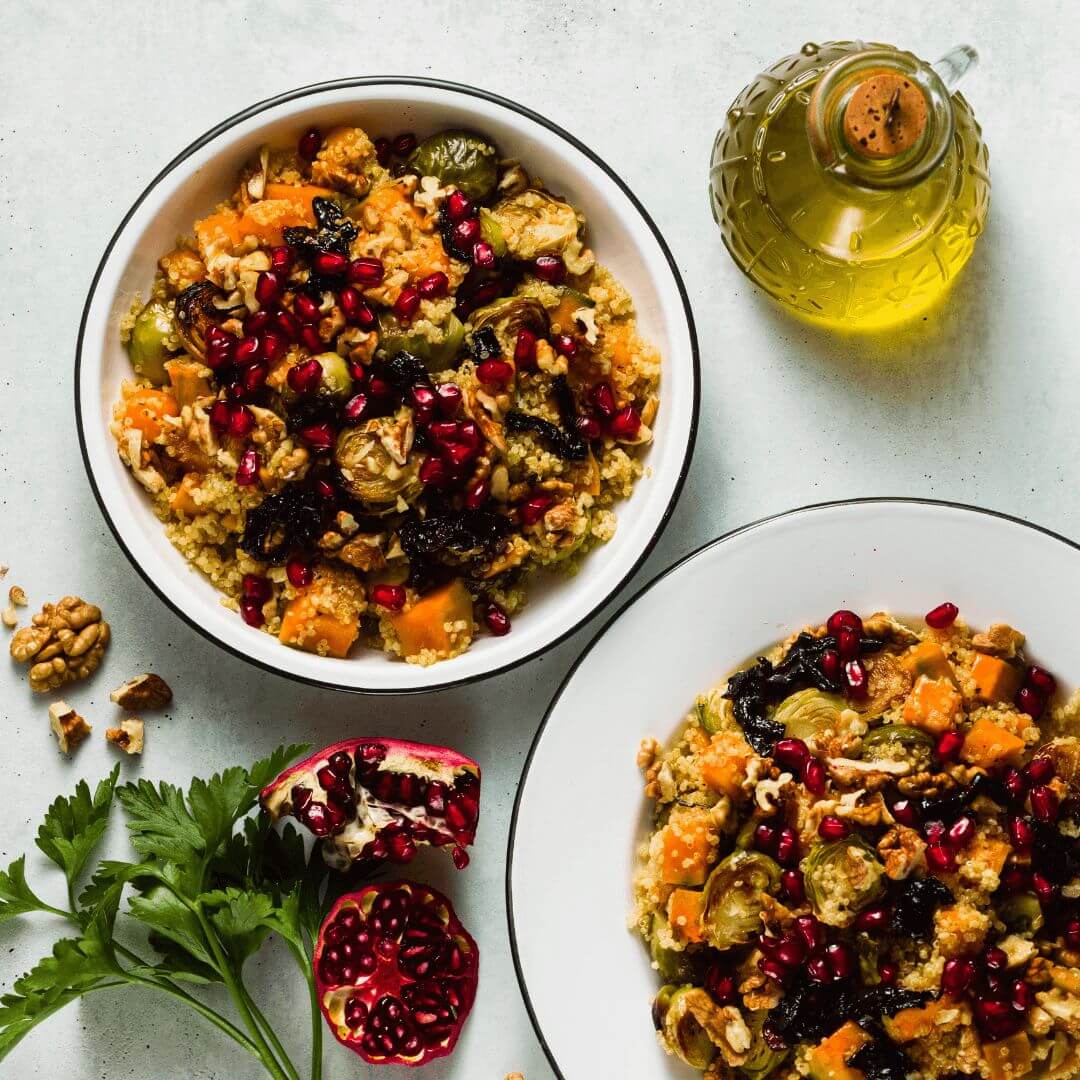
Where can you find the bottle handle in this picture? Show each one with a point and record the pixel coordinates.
(955, 64)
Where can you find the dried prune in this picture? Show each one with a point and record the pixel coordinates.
(914, 904)
(949, 807)
(565, 445)
(484, 345)
(282, 523)
(458, 531)
(334, 231)
(881, 1058)
(404, 370)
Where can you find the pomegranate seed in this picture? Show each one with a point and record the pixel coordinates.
(377, 387)
(247, 472)
(324, 490)
(832, 828)
(253, 378)
(787, 847)
(304, 378)
(588, 427)
(274, 345)
(433, 472)
(495, 372)
(318, 436)
(404, 144)
(625, 424)
(602, 399)
(525, 349)
(407, 303)
(423, 397)
(943, 616)
(1044, 803)
(831, 664)
(847, 644)
(940, 859)
(219, 353)
(1021, 996)
(844, 620)
(247, 350)
(352, 304)
(458, 206)
(219, 417)
(949, 746)
(309, 338)
(310, 144)
(443, 430)
(251, 613)
(1016, 879)
(365, 271)
(841, 960)
(257, 322)
(287, 324)
(256, 587)
(765, 838)
(794, 889)
(814, 777)
(1021, 832)
(565, 344)
(872, 920)
(962, 832)
(935, 832)
(391, 597)
(550, 268)
(483, 255)
(774, 970)
(434, 286)
(1039, 770)
(282, 258)
(241, 421)
(791, 754)
(354, 409)
(306, 308)
(469, 434)
(498, 622)
(791, 951)
(887, 973)
(1044, 889)
(383, 151)
(466, 233)
(905, 813)
(1015, 784)
(721, 988)
(1041, 680)
(299, 572)
(1072, 935)
(477, 494)
(818, 970)
(994, 958)
(1030, 701)
(449, 395)
(330, 264)
(809, 929)
(268, 287)
(957, 976)
(456, 455)
(855, 673)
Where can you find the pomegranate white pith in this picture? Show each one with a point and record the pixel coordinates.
(378, 799)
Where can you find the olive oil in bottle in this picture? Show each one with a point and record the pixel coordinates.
(851, 183)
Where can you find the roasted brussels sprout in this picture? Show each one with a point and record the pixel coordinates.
(535, 223)
(437, 356)
(731, 911)
(461, 158)
(509, 315)
(336, 381)
(491, 231)
(198, 308)
(674, 965)
(148, 347)
(841, 878)
(1022, 913)
(674, 1016)
(809, 712)
(377, 462)
(886, 740)
(761, 1059)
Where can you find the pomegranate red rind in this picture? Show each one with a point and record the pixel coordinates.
(379, 799)
(395, 973)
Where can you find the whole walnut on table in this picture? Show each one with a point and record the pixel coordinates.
(64, 642)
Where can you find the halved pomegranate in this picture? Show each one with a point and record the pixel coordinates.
(378, 799)
(395, 973)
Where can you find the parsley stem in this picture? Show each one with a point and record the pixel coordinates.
(268, 1029)
(316, 1016)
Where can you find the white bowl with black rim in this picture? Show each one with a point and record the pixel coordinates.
(580, 815)
(620, 231)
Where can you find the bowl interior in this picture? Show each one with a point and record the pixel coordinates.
(581, 814)
(619, 232)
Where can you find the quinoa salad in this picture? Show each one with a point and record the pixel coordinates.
(380, 386)
(864, 861)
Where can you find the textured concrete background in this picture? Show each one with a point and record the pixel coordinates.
(977, 404)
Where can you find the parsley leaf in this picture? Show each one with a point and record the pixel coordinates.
(73, 827)
(16, 897)
(160, 823)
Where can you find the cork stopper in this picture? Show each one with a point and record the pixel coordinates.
(885, 116)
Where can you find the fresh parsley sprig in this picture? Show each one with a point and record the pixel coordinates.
(211, 884)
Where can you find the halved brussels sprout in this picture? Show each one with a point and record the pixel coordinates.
(437, 355)
(198, 308)
(889, 736)
(761, 1059)
(731, 912)
(148, 347)
(841, 878)
(461, 158)
(673, 1015)
(809, 712)
(377, 463)
(508, 315)
(491, 231)
(535, 223)
(1022, 913)
(674, 965)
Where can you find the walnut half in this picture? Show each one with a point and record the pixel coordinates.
(143, 692)
(64, 642)
(70, 728)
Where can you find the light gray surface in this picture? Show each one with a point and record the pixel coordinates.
(976, 404)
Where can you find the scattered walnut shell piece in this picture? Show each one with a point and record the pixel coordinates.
(129, 736)
(70, 728)
(144, 692)
(64, 642)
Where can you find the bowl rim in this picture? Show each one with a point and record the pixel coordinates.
(945, 504)
(529, 114)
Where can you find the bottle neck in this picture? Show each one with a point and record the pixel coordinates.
(846, 160)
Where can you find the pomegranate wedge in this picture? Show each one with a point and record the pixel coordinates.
(379, 799)
(395, 973)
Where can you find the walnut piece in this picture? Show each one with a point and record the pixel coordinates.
(10, 617)
(141, 693)
(70, 728)
(902, 851)
(64, 642)
(17, 596)
(999, 639)
(129, 736)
